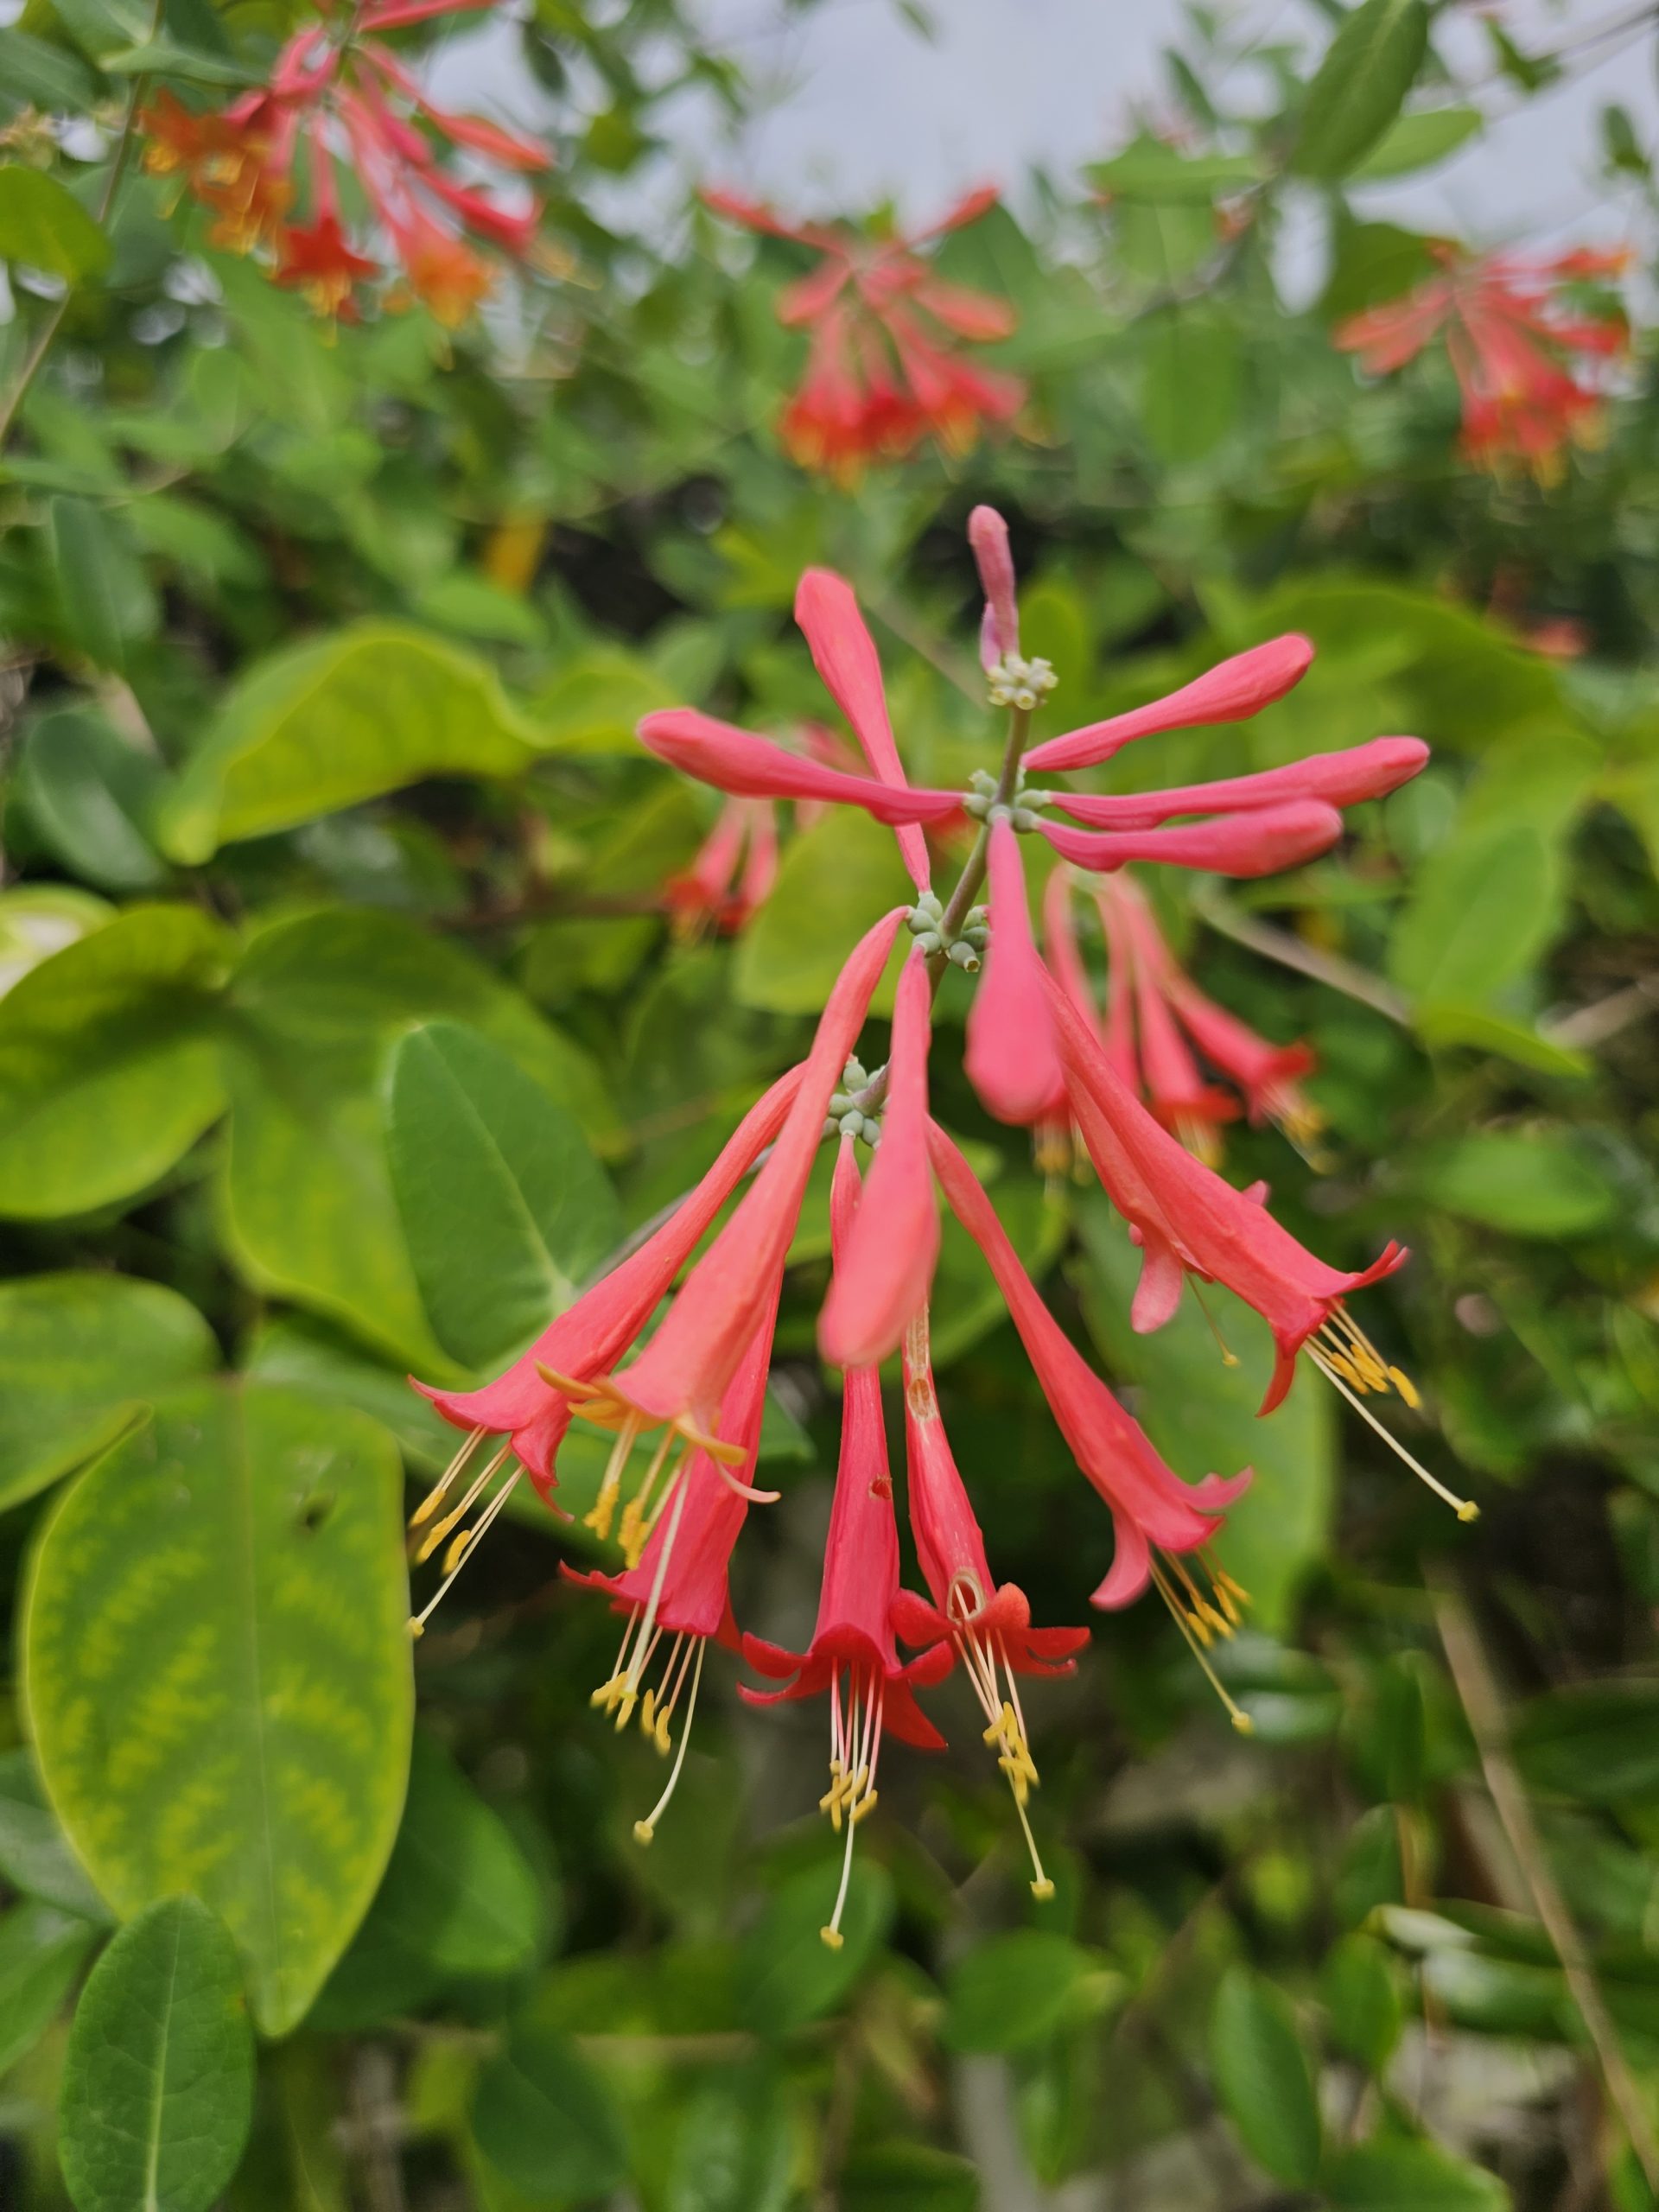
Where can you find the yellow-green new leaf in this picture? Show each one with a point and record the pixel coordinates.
(43, 226)
(328, 725)
(218, 1676)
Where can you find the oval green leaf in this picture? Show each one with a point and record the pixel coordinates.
(217, 1672)
(1263, 2078)
(1416, 142)
(158, 2078)
(503, 1205)
(41, 1949)
(1530, 1186)
(787, 1975)
(43, 226)
(109, 1065)
(1012, 1991)
(1361, 85)
(80, 1356)
(91, 796)
(1411, 2178)
(547, 2122)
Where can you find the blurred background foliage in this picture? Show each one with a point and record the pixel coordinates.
(323, 816)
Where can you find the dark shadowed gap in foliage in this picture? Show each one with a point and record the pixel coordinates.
(609, 578)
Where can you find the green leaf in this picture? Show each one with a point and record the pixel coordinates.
(80, 1356)
(1012, 1991)
(317, 1006)
(1203, 1417)
(544, 2118)
(1415, 141)
(459, 1900)
(307, 1355)
(836, 878)
(1190, 384)
(1361, 2001)
(35, 74)
(42, 1951)
(1360, 86)
(597, 699)
(91, 797)
(105, 602)
(1263, 2078)
(733, 2151)
(1152, 169)
(909, 2177)
(43, 226)
(109, 1061)
(217, 1672)
(1481, 1031)
(787, 1975)
(326, 725)
(1410, 2177)
(503, 1205)
(169, 57)
(1530, 1185)
(101, 26)
(40, 919)
(158, 2079)
(35, 1854)
(1481, 910)
(1599, 1742)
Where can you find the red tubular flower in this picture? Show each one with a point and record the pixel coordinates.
(882, 1277)
(1258, 842)
(1519, 348)
(852, 1654)
(337, 94)
(680, 1587)
(999, 632)
(844, 654)
(988, 1624)
(1156, 1517)
(711, 892)
(1011, 1060)
(1231, 692)
(1363, 772)
(883, 371)
(1228, 1236)
(1176, 1092)
(733, 760)
(677, 1382)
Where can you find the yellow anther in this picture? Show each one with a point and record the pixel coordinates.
(831, 1938)
(1468, 1510)
(866, 1804)
(643, 1832)
(626, 1704)
(660, 1735)
(648, 1713)
(1243, 1723)
(417, 1629)
(457, 1551)
(1406, 1388)
(603, 1512)
(1042, 1889)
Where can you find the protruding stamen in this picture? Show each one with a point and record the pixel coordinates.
(1196, 1636)
(1465, 1507)
(461, 1550)
(436, 1535)
(429, 1504)
(644, 1830)
(856, 1743)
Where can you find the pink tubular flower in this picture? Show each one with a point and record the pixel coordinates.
(1231, 692)
(852, 1654)
(733, 760)
(338, 96)
(1338, 779)
(884, 1274)
(712, 893)
(844, 654)
(1258, 842)
(1011, 1060)
(1156, 1517)
(1519, 347)
(988, 1624)
(999, 633)
(883, 371)
(677, 1382)
(679, 1587)
(584, 1341)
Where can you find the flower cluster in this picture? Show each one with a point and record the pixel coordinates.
(269, 167)
(884, 372)
(1520, 345)
(682, 1403)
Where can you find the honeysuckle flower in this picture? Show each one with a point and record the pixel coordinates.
(1260, 842)
(852, 1654)
(883, 1274)
(677, 1382)
(1362, 772)
(999, 630)
(883, 371)
(1189, 1212)
(1231, 692)
(337, 96)
(735, 760)
(679, 1589)
(1268, 1075)
(1157, 1521)
(1011, 1059)
(719, 890)
(532, 1417)
(844, 654)
(988, 1623)
(1522, 347)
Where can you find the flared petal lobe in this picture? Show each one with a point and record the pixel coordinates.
(1231, 692)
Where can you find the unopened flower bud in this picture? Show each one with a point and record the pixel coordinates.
(977, 804)
(962, 953)
(988, 533)
(930, 941)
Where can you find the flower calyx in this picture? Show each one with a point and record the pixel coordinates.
(848, 1116)
(1024, 684)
